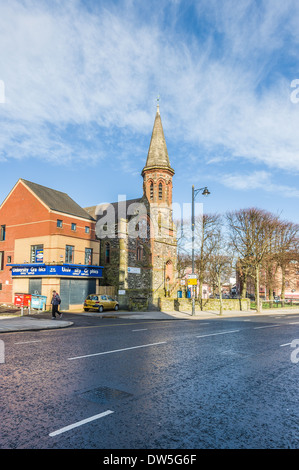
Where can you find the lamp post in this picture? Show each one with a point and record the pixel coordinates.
(205, 192)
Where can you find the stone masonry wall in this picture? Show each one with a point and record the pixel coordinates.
(185, 305)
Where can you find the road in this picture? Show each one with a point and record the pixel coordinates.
(131, 384)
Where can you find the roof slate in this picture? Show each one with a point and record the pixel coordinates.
(57, 200)
(157, 156)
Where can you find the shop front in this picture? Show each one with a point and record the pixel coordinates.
(72, 282)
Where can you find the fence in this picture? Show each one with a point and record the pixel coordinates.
(106, 290)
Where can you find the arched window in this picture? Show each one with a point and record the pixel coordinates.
(169, 271)
(152, 190)
(139, 254)
(160, 191)
(107, 253)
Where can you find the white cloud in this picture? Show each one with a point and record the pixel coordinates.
(261, 180)
(64, 67)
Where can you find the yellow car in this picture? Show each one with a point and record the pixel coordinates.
(100, 303)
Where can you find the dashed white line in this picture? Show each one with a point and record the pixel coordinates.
(141, 329)
(221, 333)
(267, 326)
(287, 344)
(28, 342)
(116, 350)
(80, 423)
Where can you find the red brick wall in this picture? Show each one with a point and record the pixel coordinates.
(25, 216)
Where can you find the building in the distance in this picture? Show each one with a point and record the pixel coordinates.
(47, 242)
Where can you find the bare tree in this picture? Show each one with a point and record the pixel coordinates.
(250, 231)
(287, 249)
(219, 266)
(207, 228)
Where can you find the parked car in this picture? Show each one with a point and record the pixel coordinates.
(100, 303)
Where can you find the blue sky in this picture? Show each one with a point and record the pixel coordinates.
(79, 82)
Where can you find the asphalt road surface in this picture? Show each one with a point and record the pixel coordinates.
(129, 384)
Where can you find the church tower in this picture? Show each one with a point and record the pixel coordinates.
(157, 188)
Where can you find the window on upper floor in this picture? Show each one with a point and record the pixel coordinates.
(107, 252)
(69, 253)
(88, 256)
(160, 191)
(152, 190)
(36, 253)
(139, 254)
(1, 260)
(2, 233)
(87, 229)
(59, 223)
(74, 227)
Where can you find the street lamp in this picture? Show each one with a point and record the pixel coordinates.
(205, 192)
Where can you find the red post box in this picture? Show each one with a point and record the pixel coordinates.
(22, 300)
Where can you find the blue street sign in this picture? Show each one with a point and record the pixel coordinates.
(67, 270)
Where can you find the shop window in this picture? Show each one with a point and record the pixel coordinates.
(69, 253)
(74, 227)
(1, 260)
(2, 233)
(88, 256)
(36, 253)
(107, 252)
(59, 223)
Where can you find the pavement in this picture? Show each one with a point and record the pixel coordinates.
(13, 321)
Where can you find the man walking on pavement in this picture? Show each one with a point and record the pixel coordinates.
(55, 303)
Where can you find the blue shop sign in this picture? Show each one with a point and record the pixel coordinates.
(68, 270)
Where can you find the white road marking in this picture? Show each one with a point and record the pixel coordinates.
(221, 333)
(28, 342)
(80, 423)
(117, 350)
(287, 344)
(141, 329)
(294, 323)
(267, 326)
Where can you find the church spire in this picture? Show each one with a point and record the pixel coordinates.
(157, 156)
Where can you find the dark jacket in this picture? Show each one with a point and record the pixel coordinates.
(55, 300)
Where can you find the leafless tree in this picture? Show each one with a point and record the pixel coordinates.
(206, 237)
(220, 262)
(250, 233)
(287, 249)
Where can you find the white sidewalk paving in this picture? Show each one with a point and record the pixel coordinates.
(9, 324)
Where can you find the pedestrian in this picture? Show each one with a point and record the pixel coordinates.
(55, 304)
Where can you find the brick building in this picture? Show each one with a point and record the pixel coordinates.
(47, 242)
(138, 237)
